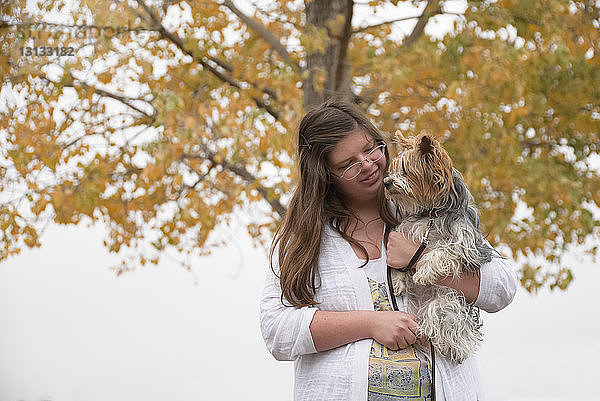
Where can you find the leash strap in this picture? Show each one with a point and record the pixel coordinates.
(414, 259)
(391, 289)
(392, 297)
(432, 349)
(420, 251)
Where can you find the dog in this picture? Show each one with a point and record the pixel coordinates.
(436, 207)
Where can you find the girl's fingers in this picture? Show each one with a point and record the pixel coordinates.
(410, 338)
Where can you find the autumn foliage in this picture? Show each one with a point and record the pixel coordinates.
(170, 115)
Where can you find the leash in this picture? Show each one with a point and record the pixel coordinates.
(410, 265)
(421, 249)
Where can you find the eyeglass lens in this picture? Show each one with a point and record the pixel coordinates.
(354, 170)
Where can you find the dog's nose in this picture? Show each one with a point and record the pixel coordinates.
(387, 182)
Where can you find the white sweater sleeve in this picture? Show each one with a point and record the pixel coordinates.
(498, 285)
(285, 329)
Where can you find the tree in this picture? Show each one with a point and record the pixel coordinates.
(169, 114)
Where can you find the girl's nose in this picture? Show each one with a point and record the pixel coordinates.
(366, 160)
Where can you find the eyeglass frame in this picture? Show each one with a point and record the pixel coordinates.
(381, 146)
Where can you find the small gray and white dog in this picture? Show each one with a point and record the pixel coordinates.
(429, 192)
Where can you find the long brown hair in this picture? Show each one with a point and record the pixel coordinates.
(316, 201)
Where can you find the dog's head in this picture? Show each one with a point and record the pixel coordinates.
(420, 177)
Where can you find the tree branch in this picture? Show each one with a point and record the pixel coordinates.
(274, 17)
(244, 174)
(365, 28)
(438, 12)
(71, 81)
(123, 99)
(118, 29)
(248, 177)
(432, 8)
(178, 42)
(256, 26)
(344, 41)
(159, 29)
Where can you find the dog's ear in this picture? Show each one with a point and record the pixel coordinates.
(401, 140)
(425, 145)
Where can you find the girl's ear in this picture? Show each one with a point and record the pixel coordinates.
(401, 140)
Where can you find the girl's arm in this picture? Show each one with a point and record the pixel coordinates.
(467, 284)
(285, 329)
(497, 286)
(290, 332)
(492, 289)
(393, 329)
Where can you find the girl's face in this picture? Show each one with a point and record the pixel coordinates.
(355, 148)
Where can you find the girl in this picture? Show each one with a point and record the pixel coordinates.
(325, 303)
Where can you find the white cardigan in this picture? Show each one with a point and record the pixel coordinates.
(342, 373)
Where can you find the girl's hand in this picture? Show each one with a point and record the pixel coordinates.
(394, 329)
(400, 250)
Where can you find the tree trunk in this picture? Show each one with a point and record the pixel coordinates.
(324, 14)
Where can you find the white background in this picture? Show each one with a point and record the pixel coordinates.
(70, 330)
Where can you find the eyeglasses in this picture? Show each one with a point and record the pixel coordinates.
(352, 171)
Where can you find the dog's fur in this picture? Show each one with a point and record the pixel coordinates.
(421, 178)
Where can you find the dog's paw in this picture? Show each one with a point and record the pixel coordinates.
(399, 283)
(425, 273)
(423, 278)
